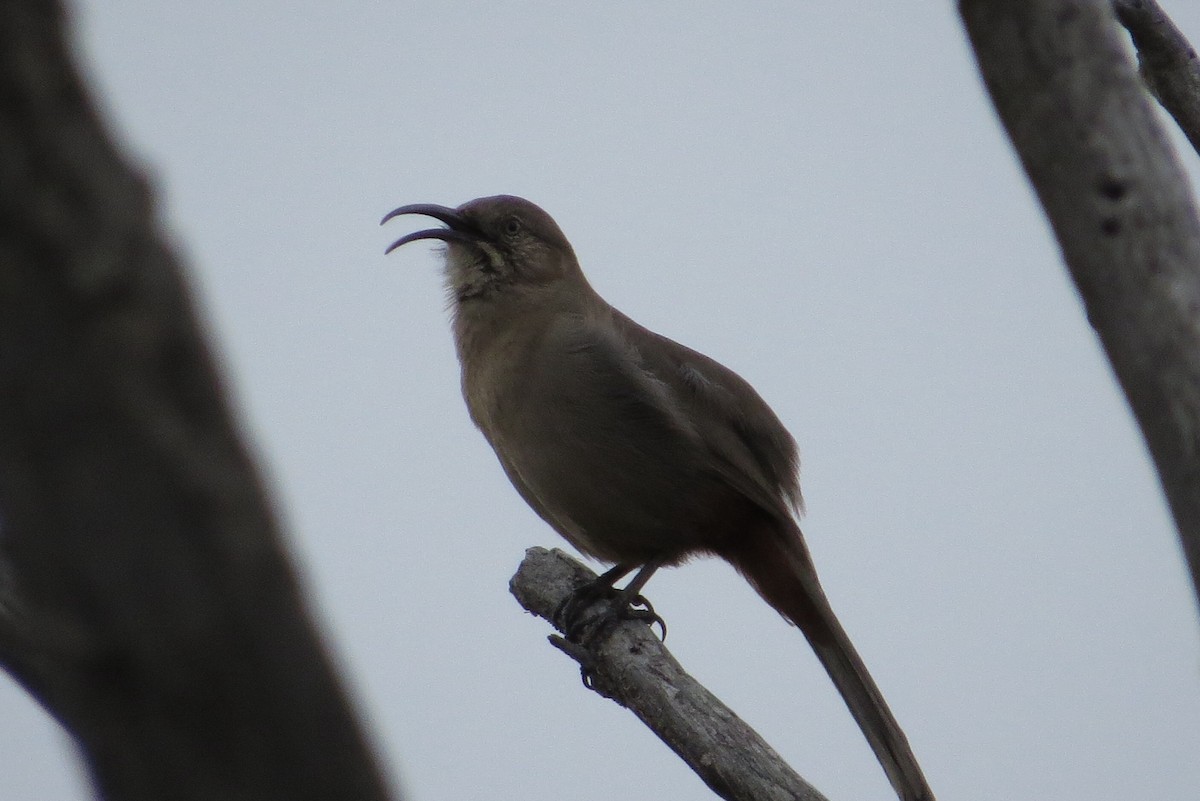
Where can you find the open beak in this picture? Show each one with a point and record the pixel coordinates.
(459, 231)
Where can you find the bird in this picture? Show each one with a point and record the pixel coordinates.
(639, 451)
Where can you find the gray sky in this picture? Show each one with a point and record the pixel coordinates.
(819, 196)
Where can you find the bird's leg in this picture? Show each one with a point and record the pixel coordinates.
(623, 604)
(634, 605)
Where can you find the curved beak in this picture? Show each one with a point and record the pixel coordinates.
(460, 230)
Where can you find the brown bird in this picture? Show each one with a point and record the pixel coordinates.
(639, 451)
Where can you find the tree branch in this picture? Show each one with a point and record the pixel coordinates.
(147, 602)
(1120, 207)
(1169, 65)
(632, 667)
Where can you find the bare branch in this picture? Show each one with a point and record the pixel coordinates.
(632, 667)
(1120, 207)
(1169, 65)
(147, 601)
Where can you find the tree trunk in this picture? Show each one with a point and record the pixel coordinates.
(146, 600)
(1120, 206)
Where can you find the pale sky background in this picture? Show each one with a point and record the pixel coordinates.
(816, 194)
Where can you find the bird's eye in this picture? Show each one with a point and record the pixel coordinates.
(512, 227)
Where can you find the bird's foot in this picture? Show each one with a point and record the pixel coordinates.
(582, 623)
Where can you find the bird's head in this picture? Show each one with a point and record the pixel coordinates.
(495, 244)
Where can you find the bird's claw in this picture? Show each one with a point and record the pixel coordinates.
(568, 614)
(617, 606)
(640, 609)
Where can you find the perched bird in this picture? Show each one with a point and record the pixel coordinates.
(639, 451)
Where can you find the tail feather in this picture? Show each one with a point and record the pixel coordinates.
(777, 565)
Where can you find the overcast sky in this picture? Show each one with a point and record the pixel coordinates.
(816, 194)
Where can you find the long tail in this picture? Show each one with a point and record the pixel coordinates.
(777, 565)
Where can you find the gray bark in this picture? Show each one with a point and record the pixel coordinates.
(145, 599)
(1169, 64)
(632, 667)
(1120, 207)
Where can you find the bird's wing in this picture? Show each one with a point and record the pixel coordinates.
(752, 449)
